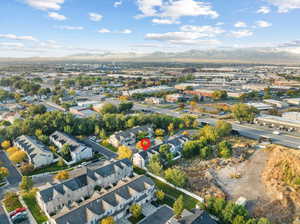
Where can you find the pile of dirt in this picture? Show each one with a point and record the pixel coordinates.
(281, 177)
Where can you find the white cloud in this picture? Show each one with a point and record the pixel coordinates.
(117, 4)
(175, 8)
(263, 10)
(148, 7)
(95, 16)
(45, 4)
(263, 24)
(11, 45)
(103, 30)
(165, 21)
(189, 35)
(15, 37)
(70, 27)
(240, 24)
(220, 24)
(242, 33)
(126, 31)
(56, 16)
(285, 6)
(205, 31)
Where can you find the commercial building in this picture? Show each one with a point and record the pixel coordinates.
(278, 122)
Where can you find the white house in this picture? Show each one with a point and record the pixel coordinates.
(128, 137)
(39, 155)
(78, 150)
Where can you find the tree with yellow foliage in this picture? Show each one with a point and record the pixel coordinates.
(124, 152)
(18, 156)
(5, 144)
(62, 175)
(12, 150)
(108, 220)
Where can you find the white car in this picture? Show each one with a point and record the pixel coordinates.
(276, 132)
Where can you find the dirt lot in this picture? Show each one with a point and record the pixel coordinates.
(249, 185)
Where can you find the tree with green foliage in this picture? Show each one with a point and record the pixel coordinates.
(65, 150)
(205, 152)
(239, 220)
(135, 210)
(219, 95)
(223, 128)
(26, 183)
(225, 149)
(109, 108)
(154, 165)
(178, 206)
(210, 133)
(176, 177)
(160, 195)
(244, 113)
(263, 221)
(251, 221)
(125, 106)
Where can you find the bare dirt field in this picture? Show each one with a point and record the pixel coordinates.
(249, 183)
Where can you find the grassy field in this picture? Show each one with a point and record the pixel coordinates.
(12, 203)
(172, 194)
(34, 208)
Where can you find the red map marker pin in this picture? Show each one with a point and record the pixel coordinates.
(145, 143)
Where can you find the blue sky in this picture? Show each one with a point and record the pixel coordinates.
(64, 27)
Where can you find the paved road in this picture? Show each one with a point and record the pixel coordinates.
(13, 179)
(248, 131)
(14, 176)
(108, 154)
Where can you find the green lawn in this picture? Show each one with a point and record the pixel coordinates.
(51, 168)
(34, 208)
(139, 170)
(135, 220)
(109, 146)
(172, 193)
(12, 203)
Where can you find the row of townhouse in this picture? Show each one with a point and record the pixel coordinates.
(115, 202)
(176, 144)
(38, 154)
(129, 137)
(78, 150)
(67, 194)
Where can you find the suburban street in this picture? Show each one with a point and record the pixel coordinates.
(13, 179)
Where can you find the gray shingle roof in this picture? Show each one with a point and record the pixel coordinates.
(160, 216)
(99, 205)
(82, 180)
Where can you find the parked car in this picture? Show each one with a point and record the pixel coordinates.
(18, 210)
(19, 214)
